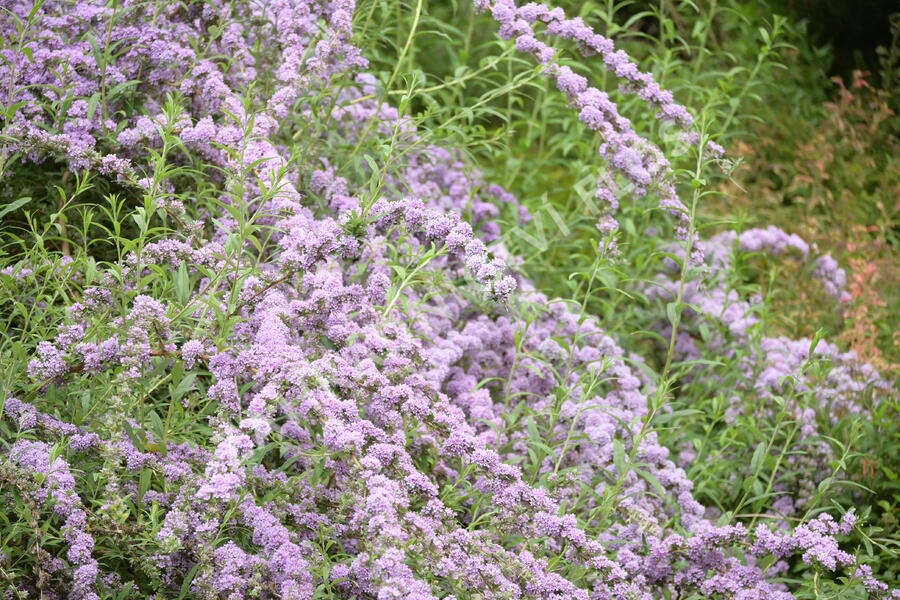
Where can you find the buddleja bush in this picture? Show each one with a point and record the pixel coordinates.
(739, 69)
(264, 339)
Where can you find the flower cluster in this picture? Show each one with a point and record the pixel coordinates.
(641, 163)
(772, 367)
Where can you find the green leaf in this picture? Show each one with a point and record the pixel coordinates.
(671, 313)
(144, 484)
(675, 414)
(116, 90)
(652, 480)
(182, 284)
(92, 105)
(759, 455)
(138, 218)
(157, 425)
(15, 204)
(619, 457)
(184, 386)
(188, 580)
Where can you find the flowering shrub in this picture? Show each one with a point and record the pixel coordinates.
(294, 356)
(836, 182)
